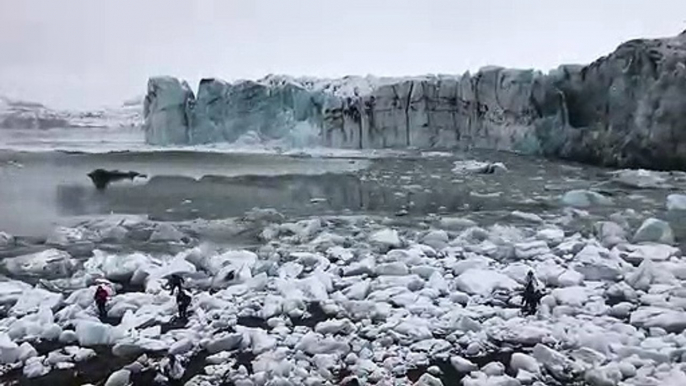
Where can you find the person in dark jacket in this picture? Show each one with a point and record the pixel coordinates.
(175, 281)
(531, 298)
(183, 300)
(101, 301)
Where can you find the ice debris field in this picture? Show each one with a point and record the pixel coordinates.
(357, 300)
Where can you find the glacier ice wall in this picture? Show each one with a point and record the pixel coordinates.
(166, 108)
(626, 109)
(494, 108)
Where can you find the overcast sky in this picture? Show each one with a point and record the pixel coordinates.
(86, 53)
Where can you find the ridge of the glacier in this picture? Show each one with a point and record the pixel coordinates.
(625, 109)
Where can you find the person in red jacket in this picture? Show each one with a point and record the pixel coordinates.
(101, 300)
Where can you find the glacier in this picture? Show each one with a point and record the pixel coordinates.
(626, 109)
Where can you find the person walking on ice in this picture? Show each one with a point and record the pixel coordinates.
(175, 281)
(183, 300)
(100, 298)
(531, 298)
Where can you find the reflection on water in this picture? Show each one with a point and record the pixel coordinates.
(219, 197)
(179, 198)
(38, 189)
(53, 186)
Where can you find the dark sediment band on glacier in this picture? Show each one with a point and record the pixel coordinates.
(627, 109)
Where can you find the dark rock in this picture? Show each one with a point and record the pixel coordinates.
(102, 178)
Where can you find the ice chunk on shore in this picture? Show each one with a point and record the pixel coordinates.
(6, 239)
(166, 233)
(520, 361)
(584, 199)
(556, 363)
(552, 236)
(387, 238)
(572, 296)
(117, 267)
(676, 202)
(610, 233)
(9, 351)
(462, 365)
(456, 223)
(640, 178)
(12, 290)
(32, 299)
(119, 378)
(472, 166)
(91, 333)
(654, 230)
(34, 368)
(654, 252)
(483, 282)
(597, 263)
(49, 264)
(669, 320)
(236, 260)
(437, 239)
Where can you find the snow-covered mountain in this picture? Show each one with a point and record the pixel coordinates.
(15, 114)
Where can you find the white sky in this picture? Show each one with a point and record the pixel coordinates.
(89, 53)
